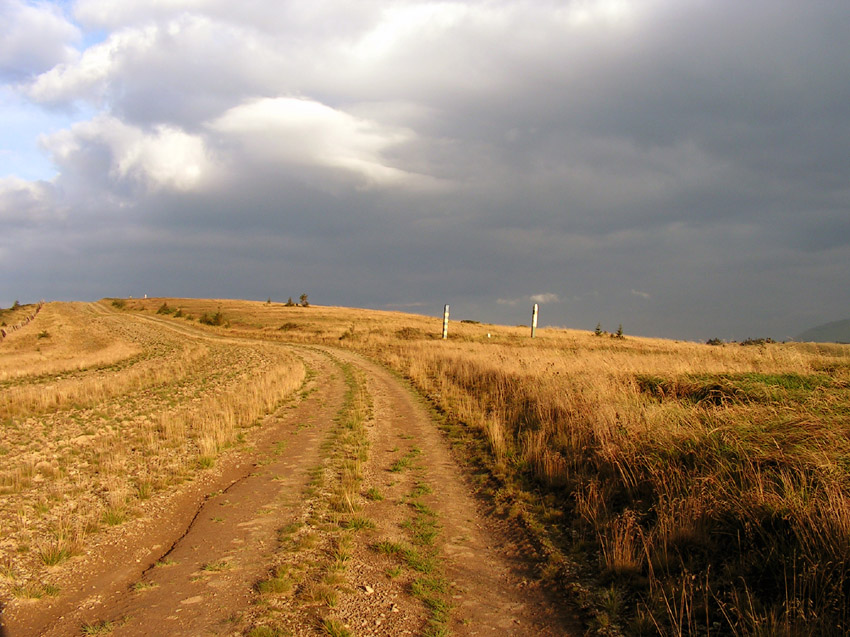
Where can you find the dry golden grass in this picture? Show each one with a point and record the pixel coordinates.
(85, 441)
(70, 345)
(707, 485)
(704, 488)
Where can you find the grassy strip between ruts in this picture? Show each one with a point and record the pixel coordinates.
(309, 574)
(421, 557)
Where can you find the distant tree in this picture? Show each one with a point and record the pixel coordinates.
(289, 302)
(16, 305)
(619, 333)
(598, 330)
(269, 302)
(304, 301)
(714, 341)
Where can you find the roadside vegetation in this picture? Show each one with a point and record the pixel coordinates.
(677, 488)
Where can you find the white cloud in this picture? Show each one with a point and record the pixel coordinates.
(88, 77)
(294, 131)
(164, 157)
(546, 297)
(33, 38)
(643, 295)
(117, 13)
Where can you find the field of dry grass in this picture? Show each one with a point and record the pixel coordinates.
(704, 489)
(698, 489)
(100, 411)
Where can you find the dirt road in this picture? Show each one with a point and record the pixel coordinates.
(275, 539)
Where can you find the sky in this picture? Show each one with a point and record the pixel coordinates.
(677, 167)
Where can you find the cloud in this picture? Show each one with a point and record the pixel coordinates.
(161, 158)
(546, 297)
(293, 131)
(642, 295)
(407, 306)
(33, 38)
(26, 203)
(89, 76)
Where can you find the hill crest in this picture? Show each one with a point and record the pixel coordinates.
(834, 332)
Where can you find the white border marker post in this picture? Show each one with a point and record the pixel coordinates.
(446, 322)
(534, 320)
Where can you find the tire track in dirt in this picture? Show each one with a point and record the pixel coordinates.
(211, 537)
(493, 587)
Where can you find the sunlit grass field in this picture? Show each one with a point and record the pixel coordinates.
(101, 412)
(677, 488)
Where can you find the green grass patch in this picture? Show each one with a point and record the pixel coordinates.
(114, 516)
(103, 627)
(357, 523)
(216, 567)
(335, 628)
(34, 590)
(373, 494)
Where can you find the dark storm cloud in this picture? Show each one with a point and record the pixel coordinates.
(678, 167)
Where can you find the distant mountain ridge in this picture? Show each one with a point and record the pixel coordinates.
(835, 332)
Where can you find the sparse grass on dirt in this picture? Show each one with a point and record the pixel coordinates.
(309, 576)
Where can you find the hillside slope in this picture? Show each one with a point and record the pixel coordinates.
(835, 332)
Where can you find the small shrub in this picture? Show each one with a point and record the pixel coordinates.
(757, 341)
(164, 309)
(44, 334)
(289, 302)
(288, 326)
(119, 303)
(714, 341)
(216, 319)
